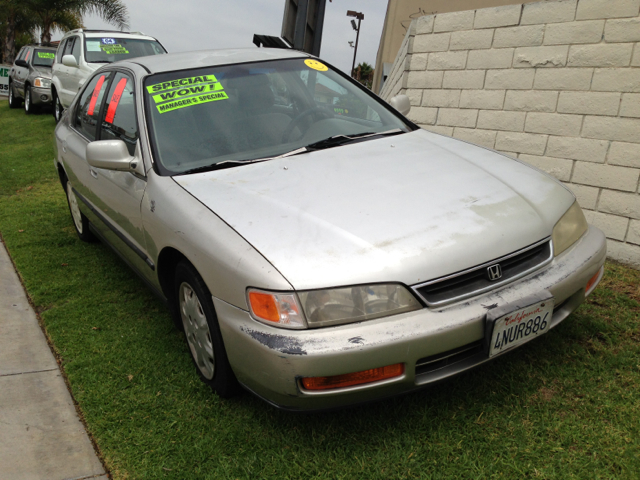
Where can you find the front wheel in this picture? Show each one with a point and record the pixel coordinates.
(58, 110)
(80, 222)
(28, 104)
(196, 311)
(13, 101)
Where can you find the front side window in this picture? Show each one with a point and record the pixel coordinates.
(60, 50)
(76, 50)
(119, 120)
(88, 108)
(22, 53)
(68, 48)
(112, 49)
(235, 113)
(43, 58)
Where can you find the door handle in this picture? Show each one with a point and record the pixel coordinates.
(94, 174)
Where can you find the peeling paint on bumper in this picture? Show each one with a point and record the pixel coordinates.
(269, 361)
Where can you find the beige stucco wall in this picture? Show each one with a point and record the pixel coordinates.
(399, 15)
(555, 84)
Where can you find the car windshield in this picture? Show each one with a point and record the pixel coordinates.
(237, 113)
(112, 49)
(43, 58)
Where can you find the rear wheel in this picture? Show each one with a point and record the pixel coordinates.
(80, 222)
(13, 101)
(57, 107)
(196, 311)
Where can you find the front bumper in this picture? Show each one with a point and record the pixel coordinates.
(270, 361)
(41, 96)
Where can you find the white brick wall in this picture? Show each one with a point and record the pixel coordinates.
(554, 83)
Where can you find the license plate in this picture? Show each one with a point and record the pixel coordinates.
(520, 325)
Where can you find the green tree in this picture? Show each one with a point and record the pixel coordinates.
(364, 74)
(65, 15)
(47, 16)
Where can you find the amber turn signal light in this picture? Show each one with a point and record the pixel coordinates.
(592, 282)
(264, 306)
(350, 379)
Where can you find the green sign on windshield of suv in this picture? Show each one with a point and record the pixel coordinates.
(46, 55)
(114, 49)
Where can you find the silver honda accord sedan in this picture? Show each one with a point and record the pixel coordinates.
(316, 247)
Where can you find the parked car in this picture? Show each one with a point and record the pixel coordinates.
(320, 250)
(82, 51)
(30, 78)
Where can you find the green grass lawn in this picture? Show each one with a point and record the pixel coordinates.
(564, 406)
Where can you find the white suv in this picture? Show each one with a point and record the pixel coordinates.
(81, 52)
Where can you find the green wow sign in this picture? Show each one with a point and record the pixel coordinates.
(186, 92)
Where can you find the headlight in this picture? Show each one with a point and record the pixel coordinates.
(42, 83)
(569, 229)
(354, 304)
(336, 306)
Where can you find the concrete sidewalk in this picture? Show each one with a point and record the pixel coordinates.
(41, 436)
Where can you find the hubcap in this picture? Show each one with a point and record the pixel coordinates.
(27, 100)
(57, 108)
(196, 330)
(75, 210)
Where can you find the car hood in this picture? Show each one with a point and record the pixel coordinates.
(44, 72)
(407, 208)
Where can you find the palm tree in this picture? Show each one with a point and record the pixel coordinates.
(52, 15)
(66, 15)
(364, 74)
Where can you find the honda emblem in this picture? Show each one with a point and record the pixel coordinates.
(494, 272)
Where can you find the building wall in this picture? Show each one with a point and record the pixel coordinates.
(555, 84)
(398, 18)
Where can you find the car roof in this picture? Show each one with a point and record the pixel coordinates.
(107, 33)
(209, 58)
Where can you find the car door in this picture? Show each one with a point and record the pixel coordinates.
(66, 74)
(21, 73)
(117, 195)
(77, 75)
(83, 129)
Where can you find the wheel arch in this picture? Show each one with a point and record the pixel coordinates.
(166, 267)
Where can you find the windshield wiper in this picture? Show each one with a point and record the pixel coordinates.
(337, 140)
(321, 145)
(235, 163)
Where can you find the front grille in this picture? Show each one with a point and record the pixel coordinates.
(447, 359)
(475, 280)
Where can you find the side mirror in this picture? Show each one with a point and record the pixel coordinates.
(111, 155)
(22, 63)
(69, 61)
(401, 103)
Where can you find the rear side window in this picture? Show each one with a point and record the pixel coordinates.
(119, 122)
(88, 108)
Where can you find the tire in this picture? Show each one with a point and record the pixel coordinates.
(28, 104)
(57, 107)
(80, 222)
(13, 101)
(193, 305)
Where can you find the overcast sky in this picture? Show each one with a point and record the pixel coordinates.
(201, 24)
